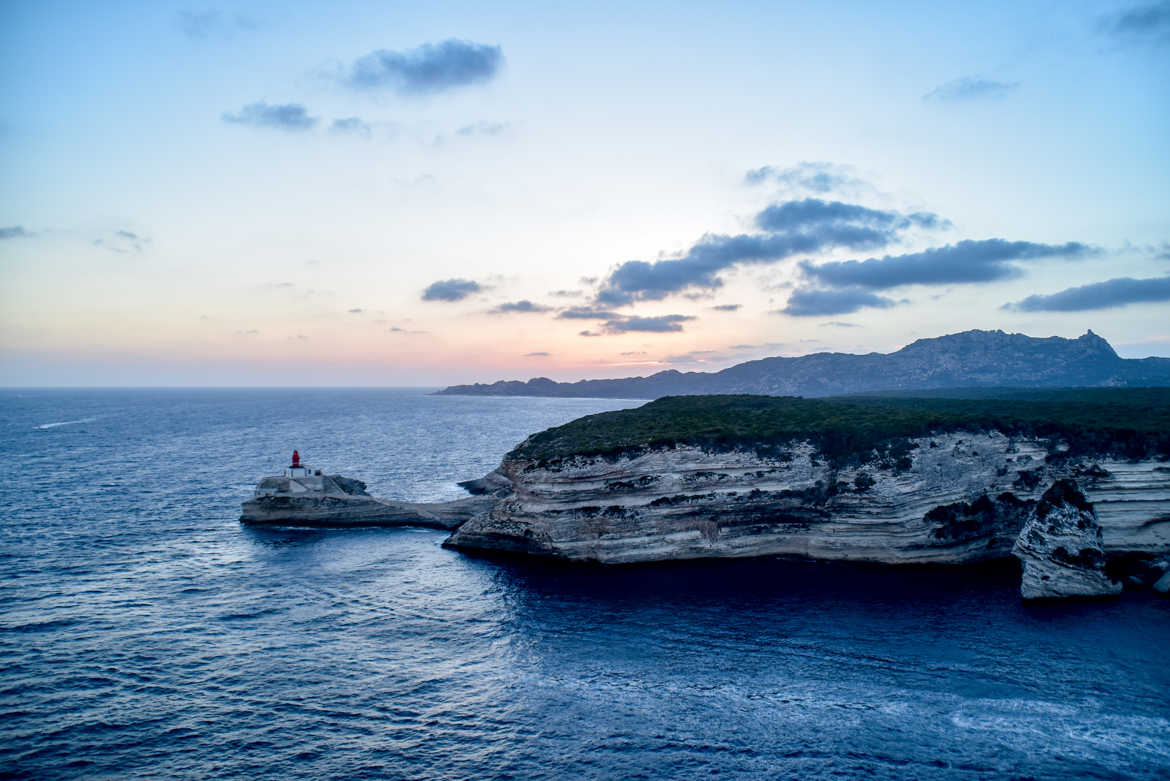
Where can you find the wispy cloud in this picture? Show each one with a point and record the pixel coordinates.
(202, 25)
(428, 69)
(815, 177)
(1142, 23)
(566, 293)
(536, 355)
(483, 128)
(451, 290)
(1100, 295)
(523, 306)
(727, 307)
(967, 261)
(352, 125)
(660, 324)
(808, 302)
(15, 232)
(287, 116)
(971, 88)
(813, 213)
(587, 313)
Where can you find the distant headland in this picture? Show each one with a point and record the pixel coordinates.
(971, 359)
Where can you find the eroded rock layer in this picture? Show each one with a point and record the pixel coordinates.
(953, 498)
(1061, 548)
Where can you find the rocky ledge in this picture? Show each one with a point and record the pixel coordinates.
(316, 500)
(958, 492)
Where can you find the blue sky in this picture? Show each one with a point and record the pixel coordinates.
(333, 193)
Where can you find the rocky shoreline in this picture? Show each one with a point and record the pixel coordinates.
(1087, 515)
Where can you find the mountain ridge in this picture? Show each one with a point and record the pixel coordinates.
(967, 359)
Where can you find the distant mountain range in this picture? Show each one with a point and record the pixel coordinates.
(971, 359)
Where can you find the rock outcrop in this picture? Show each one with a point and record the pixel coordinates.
(957, 497)
(1061, 548)
(336, 501)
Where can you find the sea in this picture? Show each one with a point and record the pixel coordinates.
(144, 633)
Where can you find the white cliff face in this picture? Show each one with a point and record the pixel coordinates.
(1061, 548)
(952, 498)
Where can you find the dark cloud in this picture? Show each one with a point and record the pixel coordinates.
(967, 261)
(817, 177)
(14, 232)
(805, 226)
(588, 333)
(587, 313)
(355, 125)
(536, 355)
(807, 302)
(1099, 295)
(288, 116)
(660, 324)
(813, 213)
(638, 280)
(356, 311)
(483, 128)
(523, 305)
(451, 290)
(429, 69)
(971, 88)
(1146, 23)
(727, 307)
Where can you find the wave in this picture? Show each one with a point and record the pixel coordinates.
(44, 426)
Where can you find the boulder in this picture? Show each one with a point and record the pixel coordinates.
(1061, 548)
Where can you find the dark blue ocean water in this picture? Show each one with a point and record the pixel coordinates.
(144, 632)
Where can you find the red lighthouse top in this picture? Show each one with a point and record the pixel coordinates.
(296, 459)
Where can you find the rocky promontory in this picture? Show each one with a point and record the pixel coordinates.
(309, 499)
(886, 481)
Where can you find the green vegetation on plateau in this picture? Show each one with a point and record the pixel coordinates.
(1132, 422)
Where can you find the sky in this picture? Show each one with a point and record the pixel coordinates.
(351, 194)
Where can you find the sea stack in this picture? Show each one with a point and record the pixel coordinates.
(1061, 548)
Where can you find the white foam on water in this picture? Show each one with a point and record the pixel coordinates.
(44, 426)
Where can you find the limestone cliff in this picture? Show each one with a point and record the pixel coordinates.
(953, 497)
(1062, 548)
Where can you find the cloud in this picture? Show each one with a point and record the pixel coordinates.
(287, 116)
(127, 235)
(566, 293)
(536, 355)
(483, 128)
(429, 69)
(637, 280)
(727, 307)
(588, 333)
(1145, 23)
(804, 226)
(523, 305)
(967, 261)
(814, 213)
(15, 232)
(1099, 295)
(451, 290)
(807, 302)
(660, 324)
(201, 25)
(839, 324)
(817, 177)
(356, 311)
(355, 125)
(587, 313)
(970, 88)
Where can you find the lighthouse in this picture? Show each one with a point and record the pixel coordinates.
(295, 469)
